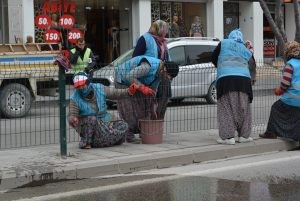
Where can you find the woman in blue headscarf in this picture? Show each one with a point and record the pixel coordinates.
(152, 44)
(234, 89)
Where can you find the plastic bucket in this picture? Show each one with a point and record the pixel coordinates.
(151, 131)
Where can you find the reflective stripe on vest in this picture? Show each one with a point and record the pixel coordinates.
(124, 69)
(233, 59)
(81, 64)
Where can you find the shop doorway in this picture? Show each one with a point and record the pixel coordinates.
(231, 17)
(102, 36)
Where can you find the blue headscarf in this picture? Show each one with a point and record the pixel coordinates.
(236, 35)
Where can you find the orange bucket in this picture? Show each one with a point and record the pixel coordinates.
(151, 131)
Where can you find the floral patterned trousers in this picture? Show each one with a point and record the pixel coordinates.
(101, 134)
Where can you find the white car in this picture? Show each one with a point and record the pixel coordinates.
(197, 75)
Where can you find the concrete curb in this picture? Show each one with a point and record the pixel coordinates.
(129, 164)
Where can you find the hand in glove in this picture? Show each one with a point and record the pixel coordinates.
(74, 122)
(278, 91)
(146, 90)
(132, 89)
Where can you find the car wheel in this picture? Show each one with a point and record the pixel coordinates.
(15, 100)
(177, 100)
(211, 96)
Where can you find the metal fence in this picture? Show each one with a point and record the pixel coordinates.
(30, 114)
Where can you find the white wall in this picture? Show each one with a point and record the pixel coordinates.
(258, 32)
(20, 19)
(214, 10)
(246, 20)
(15, 22)
(141, 18)
(290, 26)
(28, 18)
(251, 25)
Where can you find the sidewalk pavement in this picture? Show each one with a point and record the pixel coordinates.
(37, 165)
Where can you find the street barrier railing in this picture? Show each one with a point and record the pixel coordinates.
(33, 101)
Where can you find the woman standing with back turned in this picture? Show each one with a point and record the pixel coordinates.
(234, 89)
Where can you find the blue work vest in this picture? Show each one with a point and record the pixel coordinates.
(124, 69)
(233, 59)
(292, 95)
(151, 46)
(85, 108)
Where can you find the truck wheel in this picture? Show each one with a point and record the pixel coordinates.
(15, 100)
(211, 96)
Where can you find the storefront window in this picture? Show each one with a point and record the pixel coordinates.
(186, 13)
(64, 21)
(231, 17)
(269, 38)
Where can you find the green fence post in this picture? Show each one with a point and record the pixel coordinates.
(62, 112)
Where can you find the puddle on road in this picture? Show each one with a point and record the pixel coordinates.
(163, 188)
(207, 189)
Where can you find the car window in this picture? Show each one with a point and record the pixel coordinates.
(177, 55)
(197, 54)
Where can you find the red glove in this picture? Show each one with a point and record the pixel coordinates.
(132, 89)
(74, 122)
(146, 90)
(278, 91)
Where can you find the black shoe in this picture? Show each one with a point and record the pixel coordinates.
(133, 140)
(268, 135)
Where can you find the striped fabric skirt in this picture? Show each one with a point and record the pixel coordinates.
(132, 109)
(284, 121)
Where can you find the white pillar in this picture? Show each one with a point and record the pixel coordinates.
(20, 19)
(214, 10)
(290, 26)
(141, 18)
(15, 21)
(251, 24)
(28, 19)
(258, 32)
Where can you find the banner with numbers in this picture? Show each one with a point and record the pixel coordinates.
(269, 47)
(56, 22)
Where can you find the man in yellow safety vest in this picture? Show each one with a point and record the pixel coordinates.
(81, 57)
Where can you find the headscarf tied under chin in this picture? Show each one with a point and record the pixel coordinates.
(236, 35)
(292, 50)
(158, 30)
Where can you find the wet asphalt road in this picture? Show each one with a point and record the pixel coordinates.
(266, 177)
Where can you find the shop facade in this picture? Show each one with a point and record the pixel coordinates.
(111, 27)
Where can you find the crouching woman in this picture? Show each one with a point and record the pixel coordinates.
(89, 116)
